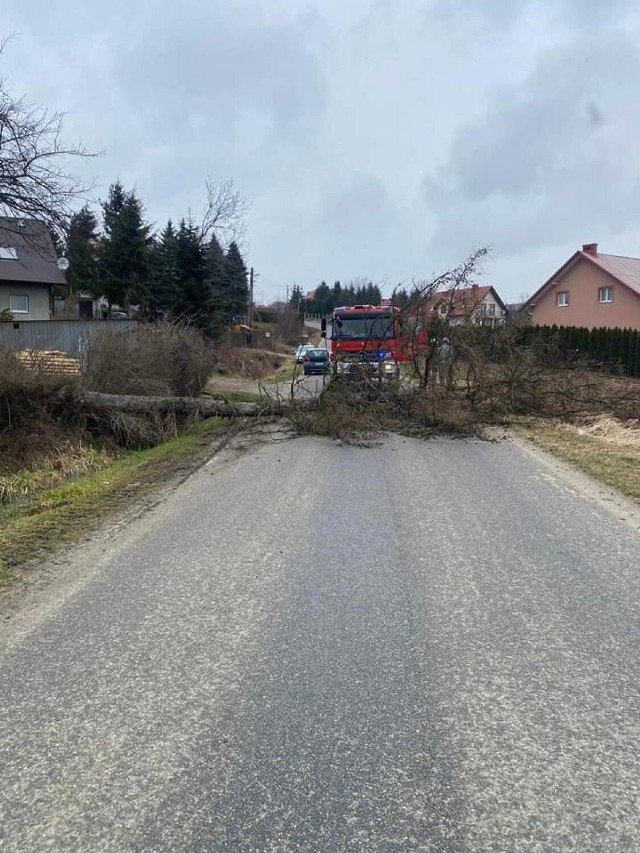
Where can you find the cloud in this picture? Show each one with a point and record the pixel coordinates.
(362, 224)
(550, 158)
(170, 67)
(372, 136)
(577, 14)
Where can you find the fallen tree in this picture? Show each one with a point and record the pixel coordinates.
(133, 404)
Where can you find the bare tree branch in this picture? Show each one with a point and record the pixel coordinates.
(35, 181)
(224, 213)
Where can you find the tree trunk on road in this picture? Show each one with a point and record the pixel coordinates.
(180, 405)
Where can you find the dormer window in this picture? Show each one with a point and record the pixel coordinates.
(8, 254)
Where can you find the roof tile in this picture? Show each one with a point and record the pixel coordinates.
(625, 269)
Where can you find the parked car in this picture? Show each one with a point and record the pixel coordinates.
(119, 315)
(300, 352)
(316, 360)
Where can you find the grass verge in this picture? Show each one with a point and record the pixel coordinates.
(64, 514)
(617, 465)
(283, 374)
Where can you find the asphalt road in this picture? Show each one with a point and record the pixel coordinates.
(419, 646)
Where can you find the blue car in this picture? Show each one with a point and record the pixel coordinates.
(316, 361)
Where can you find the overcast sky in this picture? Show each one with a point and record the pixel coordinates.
(378, 138)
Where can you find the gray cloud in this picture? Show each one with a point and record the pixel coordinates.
(550, 158)
(329, 115)
(169, 69)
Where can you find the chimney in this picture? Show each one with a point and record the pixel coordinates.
(591, 249)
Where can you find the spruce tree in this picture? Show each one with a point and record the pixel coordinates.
(322, 301)
(166, 274)
(194, 298)
(82, 253)
(235, 289)
(125, 249)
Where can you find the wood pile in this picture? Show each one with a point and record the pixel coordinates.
(50, 362)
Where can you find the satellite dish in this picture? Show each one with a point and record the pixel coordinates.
(63, 264)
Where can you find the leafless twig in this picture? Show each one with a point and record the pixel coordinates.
(35, 181)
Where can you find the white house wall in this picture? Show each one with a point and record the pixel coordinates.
(38, 300)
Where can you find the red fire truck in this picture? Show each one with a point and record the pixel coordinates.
(370, 336)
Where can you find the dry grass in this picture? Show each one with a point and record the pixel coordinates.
(68, 461)
(48, 518)
(603, 447)
(611, 430)
(249, 363)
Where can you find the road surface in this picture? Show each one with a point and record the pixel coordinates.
(416, 646)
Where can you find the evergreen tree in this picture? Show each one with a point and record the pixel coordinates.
(234, 289)
(635, 348)
(125, 249)
(373, 294)
(296, 299)
(164, 271)
(215, 263)
(82, 253)
(322, 301)
(193, 294)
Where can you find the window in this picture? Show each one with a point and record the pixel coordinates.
(19, 304)
(362, 327)
(8, 254)
(491, 310)
(605, 294)
(562, 299)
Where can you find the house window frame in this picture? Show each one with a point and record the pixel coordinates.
(24, 296)
(491, 309)
(562, 302)
(601, 291)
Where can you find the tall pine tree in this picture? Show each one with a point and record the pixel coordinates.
(235, 289)
(194, 297)
(165, 270)
(82, 253)
(125, 249)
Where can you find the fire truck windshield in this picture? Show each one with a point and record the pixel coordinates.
(361, 327)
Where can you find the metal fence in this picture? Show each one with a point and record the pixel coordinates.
(72, 337)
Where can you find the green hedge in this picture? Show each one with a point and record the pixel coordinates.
(609, 349)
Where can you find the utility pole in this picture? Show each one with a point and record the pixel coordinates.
(250, 311)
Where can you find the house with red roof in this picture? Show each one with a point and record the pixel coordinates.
(590, 290)
(477, 305)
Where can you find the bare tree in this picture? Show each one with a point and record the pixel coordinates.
(35, 181)
(224, 213)
(418, 318)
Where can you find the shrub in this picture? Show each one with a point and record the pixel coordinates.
(167, 359)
